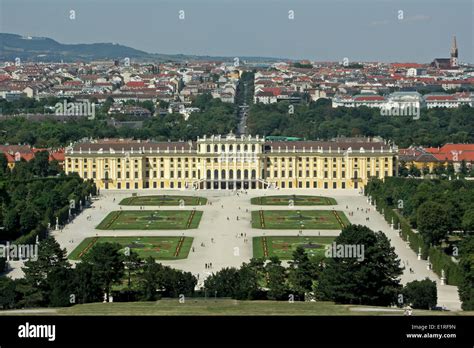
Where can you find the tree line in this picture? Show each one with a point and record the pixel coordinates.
(442, 212)
(436, 208)
(51, 281)
(439, 170)
(313, 120)
(214, 117)
(318, 120)
(33, 194)
(109, 270)
(345, 280)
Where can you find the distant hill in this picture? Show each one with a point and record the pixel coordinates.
(48, 50)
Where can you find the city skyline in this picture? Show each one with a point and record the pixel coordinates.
(368, 30)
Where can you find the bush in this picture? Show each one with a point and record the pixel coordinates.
(420, 294)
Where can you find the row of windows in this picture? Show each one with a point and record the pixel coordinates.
(269, 161)
(326, 160)
(238, 148)
(315, 174)
(281, 184)
(238, 174)
(154, 185)
(230, 175)
(313, 184)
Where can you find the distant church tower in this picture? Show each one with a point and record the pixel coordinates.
(454, 54)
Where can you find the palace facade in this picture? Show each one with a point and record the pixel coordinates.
(231, 162)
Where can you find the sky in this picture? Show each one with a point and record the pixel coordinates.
(319, 30)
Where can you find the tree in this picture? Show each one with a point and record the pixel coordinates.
(223, 283)
(3, 264)
(88, 288)
(276, 282)
(150, 279)
(466, 263)
(61, 283)
(51, 260)
(3, 164)
(28, 295)
(450, 169)
(439, 169)
(468, 220)
(249, 277)
(185, 283)
(107, 264)
(28, 219)
(414, 171)
(370, 278)
(420, 294)
(301, 273)
(432, 222)
(463, 168)
(7, 291)
(132, 263)
(40, 163)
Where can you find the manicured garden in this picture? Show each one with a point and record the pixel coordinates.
(299, 219)
(293, 200)
(284, 246)
(165, 200)
(160, 248)
(151, 220)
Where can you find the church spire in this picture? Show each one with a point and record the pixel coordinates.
(454, 48)
(454, 53)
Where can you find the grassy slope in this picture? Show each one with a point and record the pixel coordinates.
(226, 307)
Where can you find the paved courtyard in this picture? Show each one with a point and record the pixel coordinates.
(228, 242)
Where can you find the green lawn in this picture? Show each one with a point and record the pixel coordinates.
(165, 200)
(283, 246)
(293, 199)
(299, 219)
(209, 307)
(151, 220)
(160, 248)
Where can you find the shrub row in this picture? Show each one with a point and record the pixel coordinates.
(438, 258)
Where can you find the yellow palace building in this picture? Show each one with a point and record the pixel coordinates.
(231, 162)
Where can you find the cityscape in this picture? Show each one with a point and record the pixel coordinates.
(143, 179)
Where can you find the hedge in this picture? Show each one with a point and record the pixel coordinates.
(438, 259)
(30, 238)
(441, 261)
